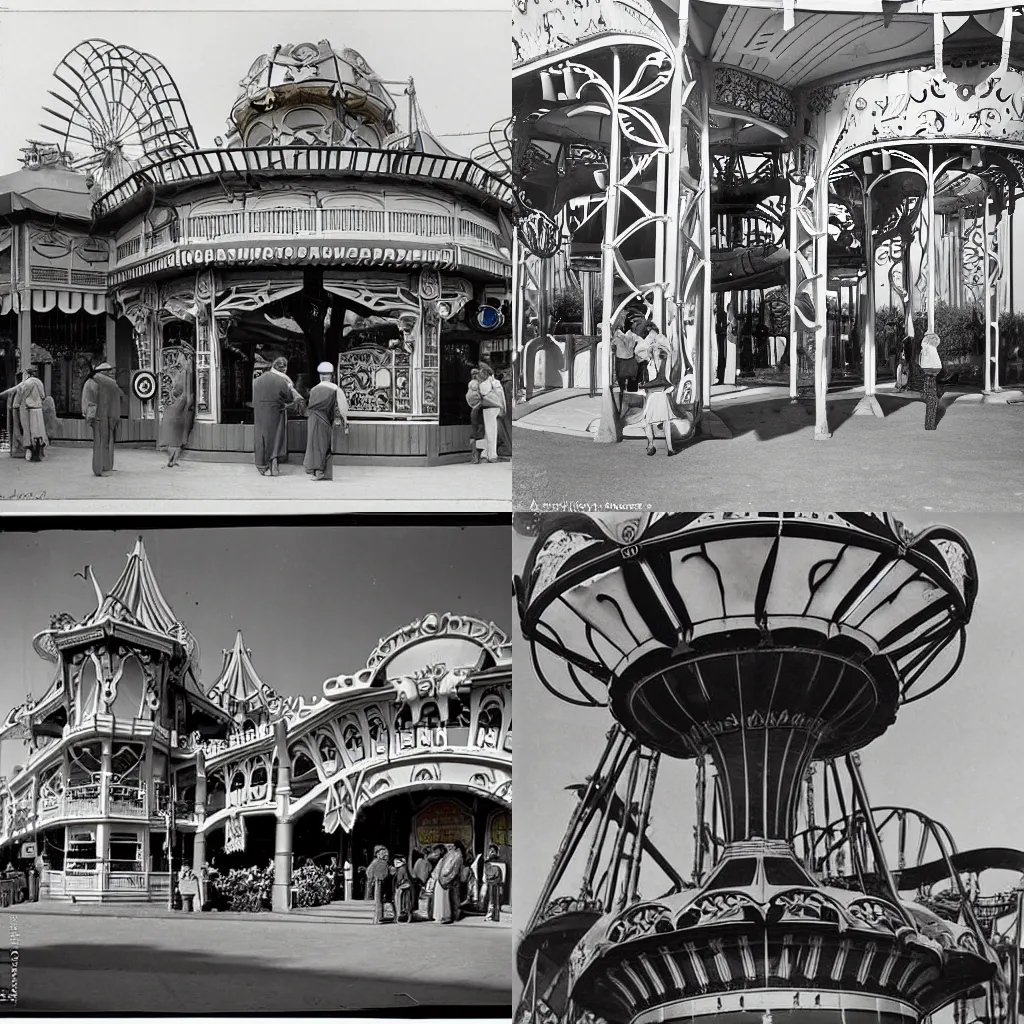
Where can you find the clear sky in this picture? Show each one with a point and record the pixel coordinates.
(453, 55)
(954, 755)
(312, 602)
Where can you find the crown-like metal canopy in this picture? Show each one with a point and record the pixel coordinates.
(764, 641)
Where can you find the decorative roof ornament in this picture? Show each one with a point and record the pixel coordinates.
(238, 689)
(37, 155)
(135, 599)
(433, 683)
(486, 635)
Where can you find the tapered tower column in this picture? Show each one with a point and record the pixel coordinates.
(282, 893)
(199, 849)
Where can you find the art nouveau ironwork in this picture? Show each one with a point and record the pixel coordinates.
(756, 644)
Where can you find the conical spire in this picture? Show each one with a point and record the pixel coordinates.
(238, 687)
(138, 593)
(136, 598)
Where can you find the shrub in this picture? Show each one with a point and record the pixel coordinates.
(245, 889)
(312, 885)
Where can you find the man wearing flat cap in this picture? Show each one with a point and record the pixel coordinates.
(327, 407)
(101, 407)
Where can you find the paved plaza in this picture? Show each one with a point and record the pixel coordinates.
(66, 472)
(973, 461)
(137, 959)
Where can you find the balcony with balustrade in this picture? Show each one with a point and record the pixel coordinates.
(391, 220)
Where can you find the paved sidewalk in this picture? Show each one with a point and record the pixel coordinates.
(251, 963)
(973, 462)
(142, 474)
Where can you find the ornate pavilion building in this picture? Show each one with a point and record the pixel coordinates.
(318, 228)
(127, 748)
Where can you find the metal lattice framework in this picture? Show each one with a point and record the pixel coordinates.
(122, 105)
(755, 644)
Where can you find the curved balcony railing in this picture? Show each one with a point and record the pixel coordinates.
(210, 164)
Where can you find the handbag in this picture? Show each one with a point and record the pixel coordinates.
(489, 401)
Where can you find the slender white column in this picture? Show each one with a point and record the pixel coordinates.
(793, 320)
(610, 428)
(821, 360)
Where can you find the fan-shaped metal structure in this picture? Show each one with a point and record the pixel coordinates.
(496, 153)
(122, 106)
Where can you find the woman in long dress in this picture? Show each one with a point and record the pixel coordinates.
(179, 415)
(446, 876)
(655, 350)
(492, 398)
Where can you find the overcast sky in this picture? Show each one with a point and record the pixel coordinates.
(954, 755)
(312, 602)
(452, 54)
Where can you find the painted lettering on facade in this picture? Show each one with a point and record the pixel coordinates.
(310, 252)
(444, 821)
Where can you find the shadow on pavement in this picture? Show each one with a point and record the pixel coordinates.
(778, 417)
(110, 978)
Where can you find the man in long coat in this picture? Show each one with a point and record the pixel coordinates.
(327, 407)
(101, 407)
(272, 394)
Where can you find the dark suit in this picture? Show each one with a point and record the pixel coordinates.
(101, 407)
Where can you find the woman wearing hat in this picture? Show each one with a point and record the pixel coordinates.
(326, 408)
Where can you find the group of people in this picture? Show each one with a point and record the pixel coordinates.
(443, 874)
(273, 395)
(487, 407)
(643, 345)
(34, 416)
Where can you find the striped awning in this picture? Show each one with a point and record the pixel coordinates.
(43, 300)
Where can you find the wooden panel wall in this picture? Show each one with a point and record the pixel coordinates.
(404, 441)
(131, 430)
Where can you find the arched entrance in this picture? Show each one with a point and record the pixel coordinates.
(412, 821)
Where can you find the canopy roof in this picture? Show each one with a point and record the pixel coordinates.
(834, 41)
(45, 190)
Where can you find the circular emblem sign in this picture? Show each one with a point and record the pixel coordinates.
(144, 385)
(488, 318)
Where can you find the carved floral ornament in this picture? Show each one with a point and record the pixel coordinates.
(485, 634)
(753, 95)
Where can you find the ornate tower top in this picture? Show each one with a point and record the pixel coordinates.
(239, 690)
(309, 94)
(135, 601)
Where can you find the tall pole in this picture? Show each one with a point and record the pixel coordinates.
(282, 891)
(707, 311)
(986, 228)
(610, 428)
(793, 230)
(930, 225)
(820, 243)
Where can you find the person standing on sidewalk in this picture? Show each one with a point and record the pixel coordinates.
(492, 398)
(101, 407)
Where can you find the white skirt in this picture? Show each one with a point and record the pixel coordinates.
(657, 408)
